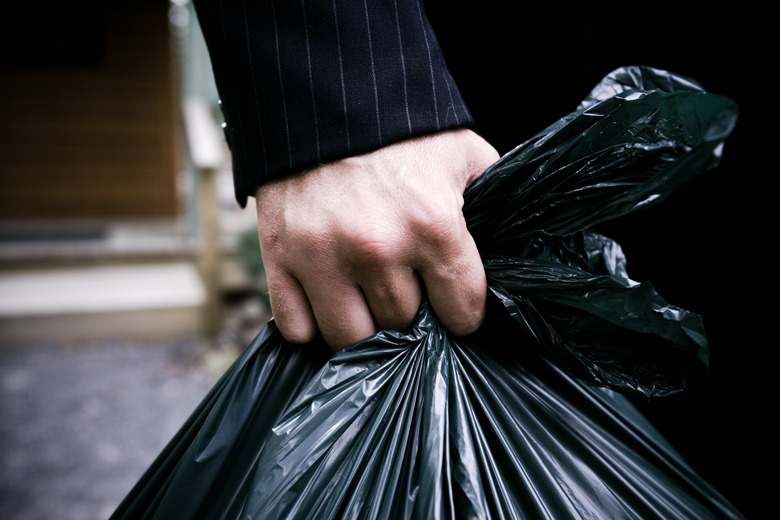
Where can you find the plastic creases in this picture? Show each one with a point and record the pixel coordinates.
(526, 418)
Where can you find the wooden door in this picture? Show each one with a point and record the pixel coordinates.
(87, 111)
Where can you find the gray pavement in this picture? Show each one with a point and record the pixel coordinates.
(80, 423)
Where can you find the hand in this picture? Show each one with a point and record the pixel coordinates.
(349, 247)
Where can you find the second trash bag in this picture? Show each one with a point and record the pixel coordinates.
(527, 418)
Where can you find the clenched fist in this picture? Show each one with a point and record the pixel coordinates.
(351, 246)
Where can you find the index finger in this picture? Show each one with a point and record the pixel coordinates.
(456, 287)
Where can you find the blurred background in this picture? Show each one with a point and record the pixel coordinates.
(129, 276)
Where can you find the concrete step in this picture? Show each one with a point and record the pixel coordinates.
(141, 301)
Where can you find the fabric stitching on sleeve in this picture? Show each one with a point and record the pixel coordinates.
(311, 83)
(341, 76)
(373, 74)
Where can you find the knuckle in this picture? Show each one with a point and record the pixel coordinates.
(467, 324)
(467, 306)
(440, 230)
(298, 337)
(372, 245)
(294, 331)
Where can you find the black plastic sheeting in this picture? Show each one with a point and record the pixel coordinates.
(530, 417)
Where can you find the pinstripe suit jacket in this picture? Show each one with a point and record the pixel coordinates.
(310, 81)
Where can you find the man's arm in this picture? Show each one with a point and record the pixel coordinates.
(307, 82)
(344, 122)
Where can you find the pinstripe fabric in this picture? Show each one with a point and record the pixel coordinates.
(304, 82)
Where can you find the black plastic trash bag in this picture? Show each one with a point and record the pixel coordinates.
(528, 417)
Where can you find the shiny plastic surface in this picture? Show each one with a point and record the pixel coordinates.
(527, 417)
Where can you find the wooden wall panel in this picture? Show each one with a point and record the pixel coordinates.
(94, 140)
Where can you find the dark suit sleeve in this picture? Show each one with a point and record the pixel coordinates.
(304, 82)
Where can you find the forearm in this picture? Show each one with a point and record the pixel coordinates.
(305, 83)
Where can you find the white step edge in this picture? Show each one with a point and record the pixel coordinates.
(100, 289)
